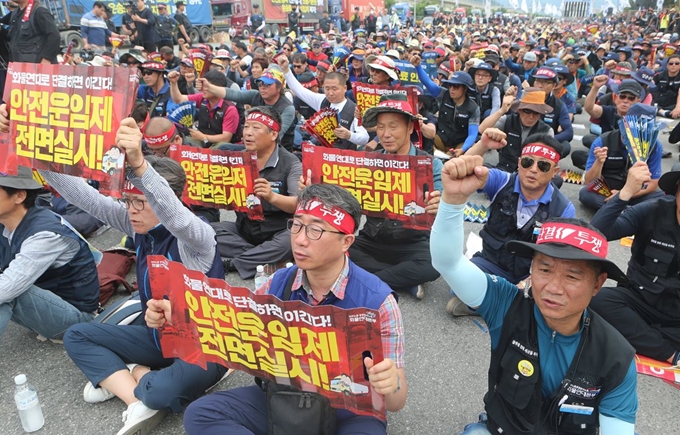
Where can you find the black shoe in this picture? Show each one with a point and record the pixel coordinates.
(666, 154)
(226, 263)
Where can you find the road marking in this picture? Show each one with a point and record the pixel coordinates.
(579, 126)
(577, 137)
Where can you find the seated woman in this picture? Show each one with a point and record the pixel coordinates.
(152, 214)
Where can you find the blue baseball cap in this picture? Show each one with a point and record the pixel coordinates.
(459, 78)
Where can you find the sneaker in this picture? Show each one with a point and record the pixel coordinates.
(666, 154)
(140, 420)
(228, 267)
(224, 376)
(418, 292)
(457, 308)
(96, 395)
(53, 340)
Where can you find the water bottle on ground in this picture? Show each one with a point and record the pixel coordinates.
(28, 405)
(260, 277)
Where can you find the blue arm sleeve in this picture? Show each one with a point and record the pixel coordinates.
(591, 154)
(622, 402)
(437, 166)
(299, 48)
(512, 65)
(567, 133)
(614, 426)
(446, 246)
(473, 129)
(431, 86)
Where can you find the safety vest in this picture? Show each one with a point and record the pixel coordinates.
(212, 125)
(514, 402)
(453, 122)
(502, 227)
(553, 119)
(483, 99)
(615, 168)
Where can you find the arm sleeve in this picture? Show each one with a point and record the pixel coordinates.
(431, 86)
(615, 224)
(567, 133)
(621, 403)
(312, 98)
(512, 66)
(495, 98)
(473, 130)
(359, 134)
(76, 191)
(446, 247)
(287, 117)
(196, 238)
(243, 97)
(37, 254)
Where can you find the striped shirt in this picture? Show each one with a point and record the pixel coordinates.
(94, 29)
(391, 324)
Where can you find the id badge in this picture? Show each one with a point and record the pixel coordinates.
(577, 409)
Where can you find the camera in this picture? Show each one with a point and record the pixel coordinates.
(133, 5)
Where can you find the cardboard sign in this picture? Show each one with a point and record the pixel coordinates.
(322, 126)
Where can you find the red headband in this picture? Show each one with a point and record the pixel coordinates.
(310, 84)
(538, 149)
(397, 104)
(129, 188)
(335, 216)
(579, 237)
(264, 119)
(161, 138)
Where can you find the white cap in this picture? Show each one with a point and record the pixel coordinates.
(20, 380)
(260, 268)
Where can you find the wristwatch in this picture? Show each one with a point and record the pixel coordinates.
(398, 384)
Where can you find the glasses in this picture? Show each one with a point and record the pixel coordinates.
(262, 84)
(286, 49)
(530, 112)
(137, 204)
(316, 46)
(297, 66)
(573, 61)
(313, 232)
(528, 162)
(563, 77)
(147, 72)
(627, 97)
(673, 63)
(456, 86)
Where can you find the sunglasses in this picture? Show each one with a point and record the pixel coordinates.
(262, 84)
(627, 97)
(563, 77)
(297, 66)
(455, 86)
(316, 46)
(673, 63)
(573, 61)
(530, 112)
(528, 162)
(147, 72)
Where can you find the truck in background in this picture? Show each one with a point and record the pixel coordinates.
(403, 10)
(67, 15)
(275, 15)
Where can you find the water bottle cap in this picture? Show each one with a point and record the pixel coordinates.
(260, 268)
(20, 380)
(289, 265)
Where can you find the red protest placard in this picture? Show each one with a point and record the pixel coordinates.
(64, 119)
(220, 179)
(368, 95)
(386, 185)
(318, 349)
(322, 126)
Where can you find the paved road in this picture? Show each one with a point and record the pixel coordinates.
(446, 363)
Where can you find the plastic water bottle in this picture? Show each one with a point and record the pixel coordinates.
(260, 277)
(288, 265)
(28, 404)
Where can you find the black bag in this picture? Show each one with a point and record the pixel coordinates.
(291, 411)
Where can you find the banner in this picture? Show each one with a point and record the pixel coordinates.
(277, 10)
(65, 118)
(368, 95)
(220, 179)
(430, 64)
(386, 185)
(408, 74)
(322, 126)
(318, 349)
(659, 369)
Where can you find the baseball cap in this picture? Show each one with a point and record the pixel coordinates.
(530, 57)
(630, 86)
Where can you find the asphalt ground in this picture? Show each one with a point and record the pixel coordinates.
(446, 362)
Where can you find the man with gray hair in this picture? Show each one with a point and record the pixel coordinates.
(246, 243)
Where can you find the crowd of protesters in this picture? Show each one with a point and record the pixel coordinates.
(510, 86)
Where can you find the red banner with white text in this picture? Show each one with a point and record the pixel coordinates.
(386, 185)
(65, 118)
(318, 349)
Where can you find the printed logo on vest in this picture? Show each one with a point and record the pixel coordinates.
(525, 368)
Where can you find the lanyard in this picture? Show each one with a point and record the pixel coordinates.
(27, 11)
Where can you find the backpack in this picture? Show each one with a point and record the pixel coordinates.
(115, 264)
(164, 27)
(125, 311)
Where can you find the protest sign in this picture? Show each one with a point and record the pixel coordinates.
(322, 126)
(64, 119)
(386, 185)
(408, 74)
(368, 95)
(430, 63)
(318, 349)
(220, 179)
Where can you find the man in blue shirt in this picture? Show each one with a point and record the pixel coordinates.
(520, 203)
(93, 28)
(155, 92)
(556, 366)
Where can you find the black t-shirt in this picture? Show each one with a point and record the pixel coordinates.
(293, 18)
(148, 31)
(610, 119)
(183, 20)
